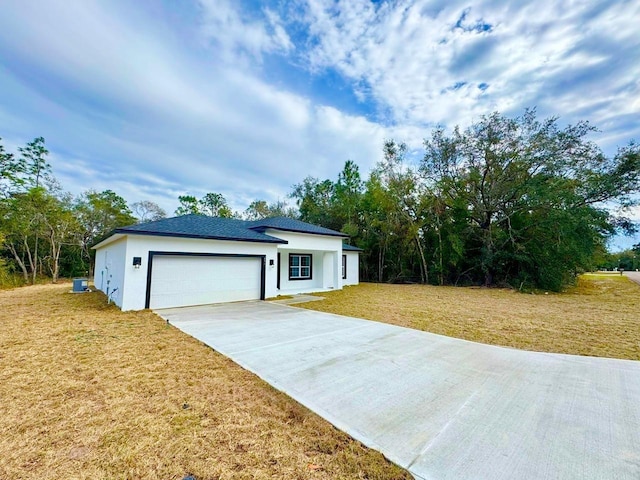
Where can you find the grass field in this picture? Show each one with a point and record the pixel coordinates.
(599, 317)
(89, 392)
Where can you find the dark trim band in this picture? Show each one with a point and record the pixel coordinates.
(124, 231)
(278, 273)
(289, 266)
(344, 266)
(262, 228)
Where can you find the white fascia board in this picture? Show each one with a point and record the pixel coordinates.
(108, 240)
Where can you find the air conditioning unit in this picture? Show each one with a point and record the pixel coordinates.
(80, 285)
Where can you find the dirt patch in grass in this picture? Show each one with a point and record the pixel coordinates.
(600, 317)
(90, 392)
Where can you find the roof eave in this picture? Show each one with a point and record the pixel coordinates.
(337, 234)
(201, 237)
(113, 237)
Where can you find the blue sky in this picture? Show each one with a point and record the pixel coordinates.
(154, 99)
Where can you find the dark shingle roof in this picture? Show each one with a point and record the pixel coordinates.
(292, 225)
(201, 226)
(351, 248)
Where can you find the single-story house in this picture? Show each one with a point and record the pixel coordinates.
(196, 260)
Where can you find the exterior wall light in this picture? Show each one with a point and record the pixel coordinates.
(137, 262)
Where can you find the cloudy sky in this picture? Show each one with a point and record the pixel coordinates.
(154, 99)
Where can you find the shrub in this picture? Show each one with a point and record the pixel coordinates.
(8, 277)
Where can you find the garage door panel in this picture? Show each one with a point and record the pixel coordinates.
(179, 281)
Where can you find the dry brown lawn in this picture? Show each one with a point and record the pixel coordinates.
(89, 392)
(600, 317)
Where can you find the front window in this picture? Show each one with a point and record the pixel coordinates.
(299, 266)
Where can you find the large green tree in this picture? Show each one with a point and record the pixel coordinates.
(188, 204)
(535, 195)
(10, 172)
(98, 213)
(331, 204)
(215, 205)
(315, 200)
(211, 204)
(392, 219)
(59, 228)
(25, 181)
(35, 168)
(21, 224)
(517, 201)
(36, 225)
(259, 209)
(348, 196)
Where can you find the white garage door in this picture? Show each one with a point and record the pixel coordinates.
(180, 281)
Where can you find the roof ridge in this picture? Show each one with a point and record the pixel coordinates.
(294, 225)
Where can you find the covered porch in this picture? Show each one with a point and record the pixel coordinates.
(306, 271)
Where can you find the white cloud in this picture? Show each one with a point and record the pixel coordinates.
(128, 101)
(407, 56)
(231, 33)
(133, 115)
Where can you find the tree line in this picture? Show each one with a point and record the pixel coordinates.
(626, 260)
(45, 232)
(506, 201)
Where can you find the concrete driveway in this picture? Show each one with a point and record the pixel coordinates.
(442, 408)
(633, 276)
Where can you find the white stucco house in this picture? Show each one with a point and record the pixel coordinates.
(196, 260)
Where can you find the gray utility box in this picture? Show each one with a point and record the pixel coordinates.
(80, 284)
